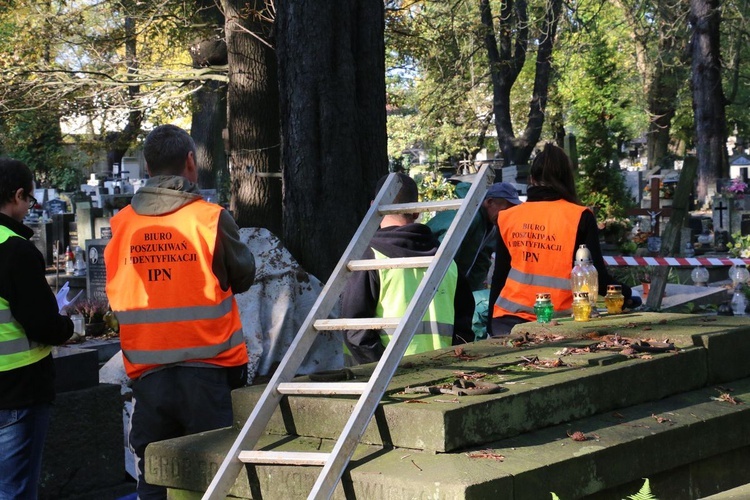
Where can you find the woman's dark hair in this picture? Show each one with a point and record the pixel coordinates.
(552, 168)
(14, 174)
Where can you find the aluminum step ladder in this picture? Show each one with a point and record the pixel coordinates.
(370, 392)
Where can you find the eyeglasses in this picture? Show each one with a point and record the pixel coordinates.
(32, 200)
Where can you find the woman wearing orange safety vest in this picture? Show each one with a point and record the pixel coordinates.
(537, 245)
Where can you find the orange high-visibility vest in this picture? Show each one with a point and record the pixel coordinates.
(161, 287)
(540, 237)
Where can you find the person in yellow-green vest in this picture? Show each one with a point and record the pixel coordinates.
(29, 324)
(387, 292)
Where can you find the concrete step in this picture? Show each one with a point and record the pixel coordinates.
(534, 395)
(662, 440)
(571, 383)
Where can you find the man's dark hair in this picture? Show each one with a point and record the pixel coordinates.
(166, 149)
(14, 174)
(408, 192)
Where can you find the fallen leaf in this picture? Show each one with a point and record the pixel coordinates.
(485, 454)
(577, 436)
(661, 420)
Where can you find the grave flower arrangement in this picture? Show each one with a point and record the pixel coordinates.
(666, 190)
(94, 314)
(740, 246)
(615, 230)
(736, 188)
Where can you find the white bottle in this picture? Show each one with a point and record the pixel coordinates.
(739, 302)
(584, 277)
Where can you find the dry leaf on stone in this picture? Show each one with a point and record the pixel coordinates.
(661, 420)
(485, 454)
(577, 436)
(726, 398)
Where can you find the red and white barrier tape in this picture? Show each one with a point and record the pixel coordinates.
(672, 261)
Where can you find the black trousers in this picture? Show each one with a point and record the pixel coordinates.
(174, 402)
(501, 326)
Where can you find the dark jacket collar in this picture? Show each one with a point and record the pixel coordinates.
(16, 226)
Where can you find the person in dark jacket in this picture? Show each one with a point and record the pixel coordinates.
(29, 324)
(551, 198)
(386, 293)
(183, 368)
(474, 256)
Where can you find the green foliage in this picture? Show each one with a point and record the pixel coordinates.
(434, 187)
(437, 79)
(740, 245)
(35, 139)
(644, 493)
(601, 86)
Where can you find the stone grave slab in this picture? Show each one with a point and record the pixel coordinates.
(96, 272)
(679, 296)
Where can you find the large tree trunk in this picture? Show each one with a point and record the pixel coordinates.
(332, 83)
(668, 74)
(253, 116)
(209, 102)
(118, 143)
(506, 62)
(708, 96)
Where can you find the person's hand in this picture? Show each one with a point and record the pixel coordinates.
(62, 297)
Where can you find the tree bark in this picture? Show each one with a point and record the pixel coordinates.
(332, 87)
(118, 143)
(209, 102)
(505, 66)
(253, 116)
(708, 97)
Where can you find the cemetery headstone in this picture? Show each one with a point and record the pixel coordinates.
(745, 225)
(42, 238)
(56, 206)
(721, 238)
(96, 272)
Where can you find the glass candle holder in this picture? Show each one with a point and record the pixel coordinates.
(581, 306)
(543, 308)
(614, 300)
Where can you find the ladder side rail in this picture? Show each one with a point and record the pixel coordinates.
(255, 424)
(394, 351)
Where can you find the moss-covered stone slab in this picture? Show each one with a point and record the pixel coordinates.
(620, 447)
(542, 385)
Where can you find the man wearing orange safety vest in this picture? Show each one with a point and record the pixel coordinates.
(174, 263)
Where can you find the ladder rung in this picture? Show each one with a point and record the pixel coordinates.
(426, 206)
(395, 263)
(283, 457)
(322, 388)
(356, 323)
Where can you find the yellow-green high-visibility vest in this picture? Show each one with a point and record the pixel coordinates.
(16, 350)
(397, 287)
